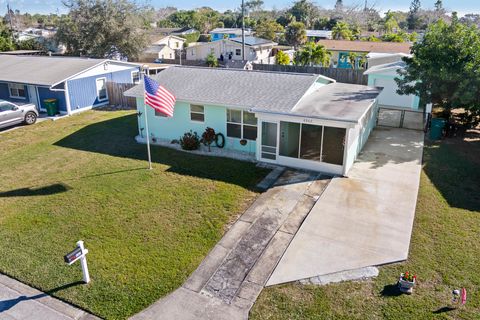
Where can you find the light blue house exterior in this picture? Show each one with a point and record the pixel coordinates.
(294, 120)
(77, 84)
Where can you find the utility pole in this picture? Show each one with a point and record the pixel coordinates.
(366, 5)
(243, 30)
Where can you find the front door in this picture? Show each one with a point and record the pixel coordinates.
(32, 93)
(268, 151)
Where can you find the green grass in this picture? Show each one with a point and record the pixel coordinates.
(84, 177)
(445, 254)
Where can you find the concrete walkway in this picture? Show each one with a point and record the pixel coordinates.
(229, 280)
(365, 219)
(19, 301)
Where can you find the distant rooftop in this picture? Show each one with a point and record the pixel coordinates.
(253, 41)
(237, 31)
(367, 46)
(327, 34)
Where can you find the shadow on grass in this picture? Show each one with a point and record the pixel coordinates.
(452, 166)
(8, 304)
(443, 310)
(116, 137)
(391, 290)
(37, 191)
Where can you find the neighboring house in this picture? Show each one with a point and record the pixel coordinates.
(315, 35)
(227, 33)
(166, 47)
(77, 83)
(384, 76)
(341, 49)
(257, 50)
(305, 121)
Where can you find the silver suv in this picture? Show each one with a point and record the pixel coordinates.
(14, 113)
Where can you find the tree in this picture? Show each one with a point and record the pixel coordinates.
(281, 58)
(304, 11)
(342, 31)
(390, 23)
(414, 19)
(211, 61)
(104, 28)
(6, 43)
(439, 6)
(312, 54)
(268, 29)
(445, 67)
(339, 5)
(295, 34)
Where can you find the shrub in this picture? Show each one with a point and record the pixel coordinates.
(212, 61)
(190, 141)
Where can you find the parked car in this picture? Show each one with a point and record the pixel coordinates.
(15, 113)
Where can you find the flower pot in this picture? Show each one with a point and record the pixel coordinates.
(405, 286)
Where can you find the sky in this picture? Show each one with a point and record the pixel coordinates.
(52, 6)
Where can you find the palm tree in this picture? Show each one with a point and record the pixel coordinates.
(341, 30)
(320, 56)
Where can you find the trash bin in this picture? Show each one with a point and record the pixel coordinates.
(52, 106)
(436, 128)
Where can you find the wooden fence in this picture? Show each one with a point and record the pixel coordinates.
(339, 74)
(116, 97)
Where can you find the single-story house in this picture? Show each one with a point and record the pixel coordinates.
(258, 50)
(227, 33)
(341, 49)
(384, 76)
(315, 35)
(77, 83)
(305, 121)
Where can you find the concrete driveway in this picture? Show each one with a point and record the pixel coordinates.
(365, 219)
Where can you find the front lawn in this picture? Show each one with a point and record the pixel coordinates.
(84, 177)
(445, 253)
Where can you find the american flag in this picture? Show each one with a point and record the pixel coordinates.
(158, 97)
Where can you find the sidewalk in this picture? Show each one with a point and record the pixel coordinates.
(19, 301)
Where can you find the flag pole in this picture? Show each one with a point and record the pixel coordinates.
(146, 129)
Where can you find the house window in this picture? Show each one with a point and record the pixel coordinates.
(102, 89)
(17, 91)
(135, 77)
(238, 52)
(177, 44)
(197, 113)
(241, 124)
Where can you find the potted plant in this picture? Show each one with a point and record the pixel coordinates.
(406, 282)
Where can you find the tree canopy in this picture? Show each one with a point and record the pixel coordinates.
(295, 34)
(312, 54)
(445, 67)
(104, 28)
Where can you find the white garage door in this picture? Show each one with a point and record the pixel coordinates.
(389, 96)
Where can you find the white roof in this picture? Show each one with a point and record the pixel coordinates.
(386, 68)
(230, 30)
(319, 33)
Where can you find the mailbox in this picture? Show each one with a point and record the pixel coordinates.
(73, 256)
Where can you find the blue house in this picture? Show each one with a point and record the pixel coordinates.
(304, 121)
(77, 83)
(227, 33)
